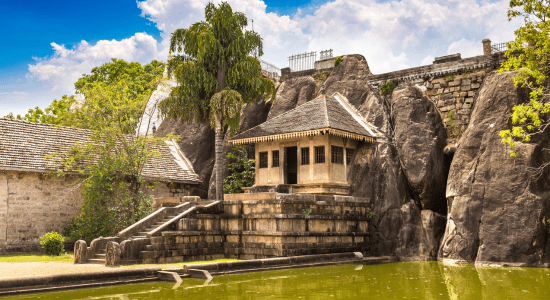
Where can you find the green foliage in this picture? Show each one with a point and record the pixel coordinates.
(404, 199)
(307, 212)
(465, 74)
(138, 77)
(320, 78)
(139, 80)
(52, 243)
(529, 54)
(388, 87)
(548, 221)
(338, 60)
(450, 78)
(241, 172)
(217, 75)
(370, 213)
(111, 162)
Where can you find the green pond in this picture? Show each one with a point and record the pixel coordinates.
(405, 280)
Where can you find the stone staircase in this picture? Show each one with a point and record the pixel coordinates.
(137, 236)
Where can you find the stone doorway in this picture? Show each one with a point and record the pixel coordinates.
(291, 165)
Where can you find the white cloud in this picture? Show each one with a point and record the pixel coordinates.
(62, 69)
(392, 35)
(428, 60)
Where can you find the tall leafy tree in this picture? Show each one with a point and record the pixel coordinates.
(529, 54)
(216, 74)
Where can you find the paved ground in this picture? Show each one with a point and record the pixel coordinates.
(20, 269)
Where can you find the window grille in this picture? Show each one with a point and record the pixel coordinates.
(349, 155)
(320, 154)
(275, 156)
(263, 159)
(337, 155)
(305, 156)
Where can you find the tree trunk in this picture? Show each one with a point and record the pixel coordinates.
(219, 136)
(219, 158)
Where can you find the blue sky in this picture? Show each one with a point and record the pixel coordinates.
(47, 45)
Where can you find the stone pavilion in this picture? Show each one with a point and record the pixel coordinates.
(308, 148)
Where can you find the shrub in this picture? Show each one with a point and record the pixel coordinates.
(450, 78)
(52, 243)
(338, 60)
(388, 87)
(241, 172)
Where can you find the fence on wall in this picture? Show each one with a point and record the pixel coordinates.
(303, 61)
(500, 47)
(326, 54)
(269, 70)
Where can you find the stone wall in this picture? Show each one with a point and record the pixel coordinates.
(32, 204)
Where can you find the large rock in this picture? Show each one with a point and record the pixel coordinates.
(421, 233)
(292, 93)
(420, 137)
(349, 78)
(375, 173)
(251, 115)
(498, 211)
(197, 143)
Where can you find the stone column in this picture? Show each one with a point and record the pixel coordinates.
(112, 255)
(486, 46)
(80, 252)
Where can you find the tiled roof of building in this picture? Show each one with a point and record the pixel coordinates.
(324, 112)
(24, 145)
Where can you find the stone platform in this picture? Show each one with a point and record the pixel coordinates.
(266, 225)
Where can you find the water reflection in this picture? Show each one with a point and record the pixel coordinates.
(408, 280)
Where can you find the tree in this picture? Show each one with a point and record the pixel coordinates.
(68, 111)
(241, 172)
(216, 75)
(110, 162)
(529, 55)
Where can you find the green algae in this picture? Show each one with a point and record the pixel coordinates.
(404, 280)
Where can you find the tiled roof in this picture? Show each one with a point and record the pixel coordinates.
(333, 112)
(24, 145)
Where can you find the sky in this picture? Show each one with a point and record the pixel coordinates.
(45, 46)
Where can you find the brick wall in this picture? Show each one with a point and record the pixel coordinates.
(32, 204)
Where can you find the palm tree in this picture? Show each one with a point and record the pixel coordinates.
(216, 74)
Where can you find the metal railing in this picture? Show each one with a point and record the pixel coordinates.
(304, 61)
(270, 70)
(326, 54)
(500, 47)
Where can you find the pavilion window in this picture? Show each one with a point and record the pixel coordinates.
(337, 155)
(305, 156)
(320, 154)
(349, 155)
(263, 159)
(275, 157)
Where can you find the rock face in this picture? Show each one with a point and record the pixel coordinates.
(292, 93)
(349, 78)
(420, 137)
(197, 143)
(421, 233)
(251, 115)
(375, 173)
(498, 211)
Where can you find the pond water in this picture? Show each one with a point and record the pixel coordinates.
(404, 280)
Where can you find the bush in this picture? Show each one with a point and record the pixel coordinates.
(241, 172)
(387, 87)
(338, 60)
(52, 243)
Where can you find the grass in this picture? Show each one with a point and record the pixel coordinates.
(178, 264)
(36, 257)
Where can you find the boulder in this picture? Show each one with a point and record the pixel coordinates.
(112, 254)
(420, 138)
(197, 143)
(80, 252)
(420, 234)
(292, 93)
(497, 209)
(349, 78)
